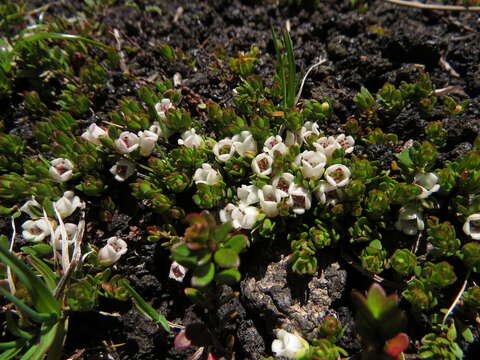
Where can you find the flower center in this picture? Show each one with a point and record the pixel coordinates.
(263, 164)
(283, 185)
(298, 201)
(337, 175)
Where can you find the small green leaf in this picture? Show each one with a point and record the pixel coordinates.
(237, 243)
(203, 275)
(39, 250)
(228, 277)
(226, 258)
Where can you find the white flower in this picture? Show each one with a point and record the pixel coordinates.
(472, 226)
(70, 229)
(190, 139)
(61, 170)
(226, 213)
(292, 139)
(224, 150)
(337, 175)
(177, 272)
(327, 145)
(94, 133)
(427, 182)
(289, 345)
(127, 142)
(309, 129)
(275, 144)
(32, 208)
(123, 169)
(245, 144)
(299, 199)
(67, 204)
(283, 184)
(244, 216)
(156, 128)
(248, 194)
(35, 230)
(162, 107)
(346, 142)
(269, 199)
(313, 164)
(262, 164)
(147, 141)
(410, 220)
(111, 253)
(206, 175)
(325, 193)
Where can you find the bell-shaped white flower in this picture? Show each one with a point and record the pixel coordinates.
(224, 150)
(191, 139)
(61, 170)
(177, 272)
(147, 140)
(36, 230)
(269, 200)
(248, 194)
(337, 175)
(245, 144)
(327, 145)
(206, 175)
(427, 182)
(410, 220)
(326, 193)
(274, 145)
(226, 213)
(162, 107)
(262, 164)
(111, 253)
(346, 142)
(94, 133)
(127, 142)
(283, 183)
(67, 204)
(300, 200)
(123, 169)
(313, 164)
(156, 128)
(70, 229)
(472, 226)
(244, 216)
(289, 345)
(309, 129)
(32, 208)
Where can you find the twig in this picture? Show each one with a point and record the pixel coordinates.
(420, 5)
(457, 298)
(322, 60)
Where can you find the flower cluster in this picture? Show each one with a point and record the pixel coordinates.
(284, 190)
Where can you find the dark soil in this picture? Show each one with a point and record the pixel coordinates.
(385, 44)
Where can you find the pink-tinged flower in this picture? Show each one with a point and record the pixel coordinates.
(94, 133)
(284, 183)
(61, 170)
(67, 204)
(127, 142)
(123, 169)
(112, 252)
(346, 142)
(247, 194)
(245, 144)
(313, 164)
(206, 175)
(472, 226)
(147, 141)
(269, 200)
(327, 145)
(337, 175)
(428, 183)
(191, 139)
(177, 272)
(410, 220)
(36, 230)
(300, 200)
(273, 145)
(262, 164)
(289, 345)
(224, 150)
(162, 107)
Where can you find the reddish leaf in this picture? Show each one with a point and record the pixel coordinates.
(396, 345)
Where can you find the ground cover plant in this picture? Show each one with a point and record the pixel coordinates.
(303, 184)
